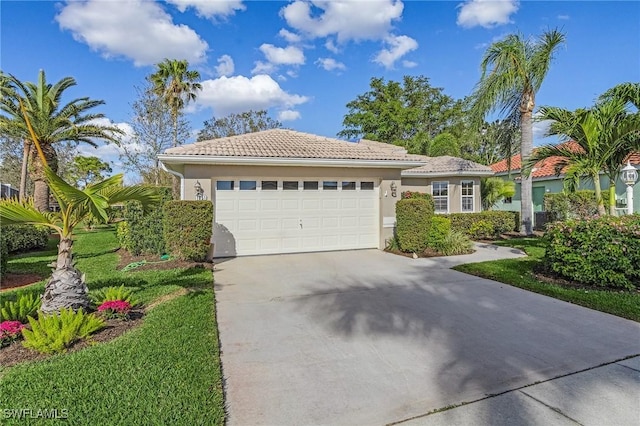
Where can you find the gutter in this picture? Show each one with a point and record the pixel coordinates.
(276, 161)
(409, 173)
(180, 175)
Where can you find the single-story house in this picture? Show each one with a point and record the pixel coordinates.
(283, 191)
(546, 180)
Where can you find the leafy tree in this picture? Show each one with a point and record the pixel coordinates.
(494, 189)
(152, 124)
(604, 137)
(444, 144)
(237, 124)
(86, 170)
(11, 150)
(39, 104)
(66, 287)
(495, 141)
(407, 114)
(513, 70)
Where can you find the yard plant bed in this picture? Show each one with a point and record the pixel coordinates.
(526, 273)
(147, 262)
(161, 369)
(426, 253)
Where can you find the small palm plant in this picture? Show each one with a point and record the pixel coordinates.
(66, 287)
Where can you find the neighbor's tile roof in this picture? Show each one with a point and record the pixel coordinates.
(281, 143)
(446, 164)
(548, 167)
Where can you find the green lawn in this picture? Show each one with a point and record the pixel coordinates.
(518, 272)
(167, 371)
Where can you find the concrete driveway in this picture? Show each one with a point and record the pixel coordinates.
(366, 337)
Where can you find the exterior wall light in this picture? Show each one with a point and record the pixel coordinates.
(629, 176)
(394, 189)
(199, 191)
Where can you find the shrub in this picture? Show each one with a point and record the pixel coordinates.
(579, 204)
(113, 309)
(24, 237)
(456, 243)
(109, 294)
(54, 333)
(499, 221)
(9, 332)
(413, 219)
(144, 230)
(187, 228)
(123, 234)
(410, 195)
(4, 254)
(440, 228)
(25, 306)
(603, 251)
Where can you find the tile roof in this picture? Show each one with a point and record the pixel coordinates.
(282, 143)
(547, 167)
(445, 164)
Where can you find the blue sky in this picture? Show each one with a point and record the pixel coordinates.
(303, 61)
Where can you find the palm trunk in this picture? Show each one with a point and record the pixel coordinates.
(612, 198)
(176, 182)
(596, 184)
(41, 188)
(526, 148)
(23, 171)
(66, 287)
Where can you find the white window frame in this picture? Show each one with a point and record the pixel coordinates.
(433, 184)
(472, 196)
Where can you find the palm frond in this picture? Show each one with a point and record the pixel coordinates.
(14, 212)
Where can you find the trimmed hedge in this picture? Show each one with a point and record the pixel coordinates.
(25, 237)
(603, 252)
(413, 223)
(142, 233)
(187, 228)
(440, 228)
(579, 204)
(413, 195)
(487, 224)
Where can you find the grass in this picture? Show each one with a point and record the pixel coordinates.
(519, 273)
(165, 371)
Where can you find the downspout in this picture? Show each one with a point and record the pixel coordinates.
(181, 176)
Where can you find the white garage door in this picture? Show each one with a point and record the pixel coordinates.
(259, 216)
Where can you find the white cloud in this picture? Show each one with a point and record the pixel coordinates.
(225, 66)
(330, 64)
(289, 55)
(135, 29)
(409, 64)
(563, 17)
(397, 47)
(331, 46)
(228, 95)
(344, 19)
(209, 8)
(540, 127)
(486, 13)
(263, 68)
(289, 36)
(288, 115)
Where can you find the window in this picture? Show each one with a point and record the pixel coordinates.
(330, 185)
(440, 193)
(248, 185)
(269, 185)
(310, 185)
(290, 185)
(508, 200)
(224, 185)
(366, 186)
(348, 186)
(467, 195)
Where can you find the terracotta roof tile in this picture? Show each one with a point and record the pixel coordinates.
(281, 143)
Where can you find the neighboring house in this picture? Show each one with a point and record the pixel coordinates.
(282, 191)
(546, 180)
(7, 191)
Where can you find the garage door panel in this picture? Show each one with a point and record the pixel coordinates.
(281, 221)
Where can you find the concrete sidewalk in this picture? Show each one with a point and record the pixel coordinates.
(567, 400)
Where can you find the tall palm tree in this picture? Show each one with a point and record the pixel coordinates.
(513, 70)
(603, 139)
(66, 287)
(177, 85)
(52, 122)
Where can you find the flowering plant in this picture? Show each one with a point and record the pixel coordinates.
(10, 331)
(115, 309)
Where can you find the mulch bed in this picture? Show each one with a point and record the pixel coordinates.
(427, 253)
(154, 262)
(15, 353)
(12, 281)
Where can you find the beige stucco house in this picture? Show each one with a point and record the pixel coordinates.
(282, 191)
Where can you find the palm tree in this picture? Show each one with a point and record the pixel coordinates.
(513, 70)
(51, 121)
(603, 138)
(177, 85)
(66, 287)
(494, 189)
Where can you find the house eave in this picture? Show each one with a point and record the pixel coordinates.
(409, 173)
